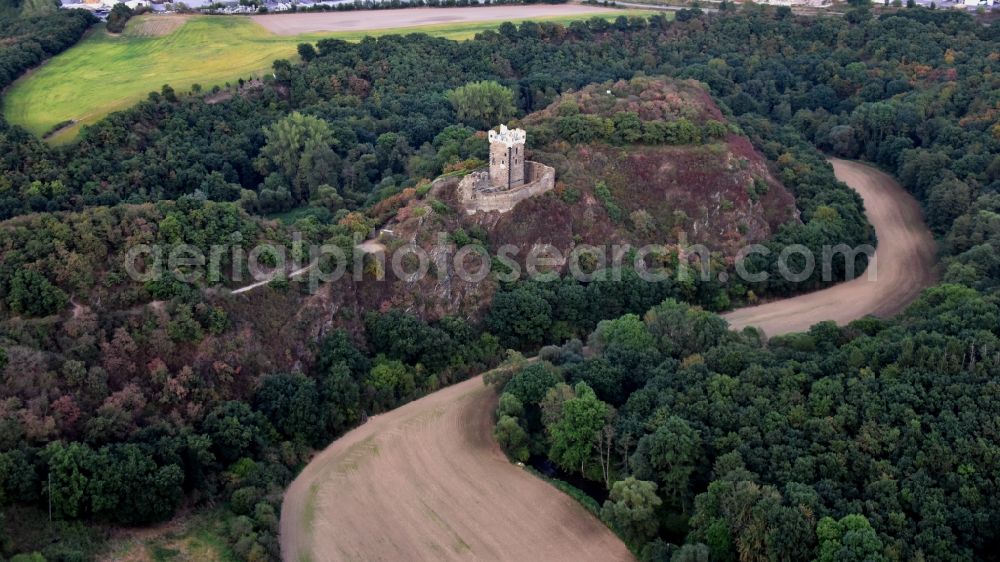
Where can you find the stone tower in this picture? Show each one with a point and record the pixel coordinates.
(507, 158)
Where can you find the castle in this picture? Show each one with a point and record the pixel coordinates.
(509, 179)
(507, 157)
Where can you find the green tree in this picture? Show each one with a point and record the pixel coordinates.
(510, 406)
(627, 333)
(235, 430)
(512, 438)
(32, 557)
(520, 317)
(127, 486)
(306, 51)
(631, 509)
(946, 201)
(573, 435)
(300, 148)
(392, 382)
(118, 17)
(291, 403)
(68, 466)
(340, 395)
(483, 104)
(530, 383)
(669, 456)
(681, 330)
(33, 295)
(851, 539)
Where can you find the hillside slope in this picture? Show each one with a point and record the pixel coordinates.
(428, 479)
(643, 161)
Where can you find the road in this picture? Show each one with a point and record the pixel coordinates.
(427, 481)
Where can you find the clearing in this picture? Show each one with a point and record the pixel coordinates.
(427, 481)
(107, 72)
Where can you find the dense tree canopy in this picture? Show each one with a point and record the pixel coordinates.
(871, 441)
(874, 441)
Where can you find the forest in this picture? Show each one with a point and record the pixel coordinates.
(875, 441)
(872, 441)
(27, 41)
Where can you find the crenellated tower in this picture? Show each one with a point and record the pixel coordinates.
(507, 157)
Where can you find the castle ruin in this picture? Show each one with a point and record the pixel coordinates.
(509, 179)
(507, 157)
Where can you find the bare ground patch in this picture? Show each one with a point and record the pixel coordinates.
(155, 26)
(294, 24)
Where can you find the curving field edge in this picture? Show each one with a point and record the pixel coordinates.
(427, 481)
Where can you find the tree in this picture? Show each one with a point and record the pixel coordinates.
(33, 295)
(483, 104)
(530, 383)
(67, 483)
(300, 148)
(521, 317)
(669, 456)
(118, 17)
(340, 396)
(627, 333)
(851, 539)
(631, 509)
(946, 201)
(574, 435)
(509, 405)
(680, 330)
(234, 430)
(512, 438)
(392, 382)
(307, 51)
(291, 403)
(127, 486)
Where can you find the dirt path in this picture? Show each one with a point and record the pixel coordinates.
(294, 24)
(905, 263)
(272, 277)
(427, 482)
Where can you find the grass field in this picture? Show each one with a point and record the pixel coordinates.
(106, 72)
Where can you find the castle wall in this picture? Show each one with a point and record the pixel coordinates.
(476, 196)
(517, 165)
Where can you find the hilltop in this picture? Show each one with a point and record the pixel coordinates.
(637, 162)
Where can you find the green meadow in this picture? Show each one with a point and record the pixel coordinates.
(107, 72)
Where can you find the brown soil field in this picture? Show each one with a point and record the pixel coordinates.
(156, 26)
(904, 264)
(426, 481)
(294, 24)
